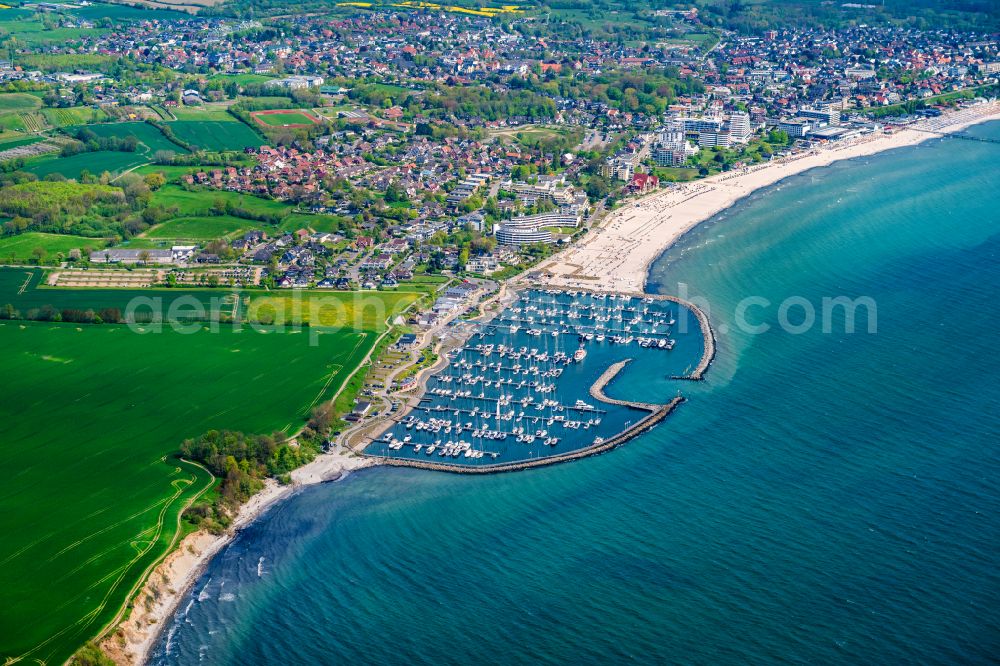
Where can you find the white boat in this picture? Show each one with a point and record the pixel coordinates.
(579, 354)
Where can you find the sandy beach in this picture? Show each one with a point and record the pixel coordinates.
(133, 639)
(616, 254)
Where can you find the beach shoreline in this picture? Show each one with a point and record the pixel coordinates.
(617, 254)
(131, 641)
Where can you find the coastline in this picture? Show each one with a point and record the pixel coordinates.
(616, 255)
(131, 640)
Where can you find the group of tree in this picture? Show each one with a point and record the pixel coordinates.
(87, 141)
(648, 91)
(243, 462)
(74, 315)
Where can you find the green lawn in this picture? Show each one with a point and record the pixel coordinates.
(216, 112)
(200, 202)
(32, 32)
(202, 228)
(241, 79)
(675, 174)
(91, 491)
(322, 222)
(19, 249)
(216, 134)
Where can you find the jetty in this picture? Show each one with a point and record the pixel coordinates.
(597, 389)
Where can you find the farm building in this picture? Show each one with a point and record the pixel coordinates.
(176, 254)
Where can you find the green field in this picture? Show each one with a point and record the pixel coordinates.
(147, 134)
(96, 163)
(98, 10)
(675, 174)
(19, 249)
(18, 103)
(216, 134)
(202, 228)
(320, 222)
(199, 202)
(150, 140)
(15, 141)
(285, 117)
(31, 31)
(241, 79)
(34, 296)
(18, 112)
(75, 115)
(95, 413)
(216, 112)
(367, 310)
(91, 495)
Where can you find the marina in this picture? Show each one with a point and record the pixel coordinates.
(527, 387)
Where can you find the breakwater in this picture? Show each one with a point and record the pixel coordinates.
(644, 424)
(597, 389)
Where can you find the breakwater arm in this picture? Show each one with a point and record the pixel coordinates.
(656, 414)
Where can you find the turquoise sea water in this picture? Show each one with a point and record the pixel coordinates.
(822, 497)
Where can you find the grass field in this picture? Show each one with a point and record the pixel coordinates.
(241, 79)
(284, 118)
(321, 222)
(216, 134)
(19, 249)
(97, 10)
(91, 495)
(366, 310)
(19, 111)
(202, 228)
(150, 140)
(76, 115)
(15, 141)
(21, 287)
(32, 32)
(675, 174)
(210, 111)
(19, 103)
(198, 202)
(96, 163)
(148, 135)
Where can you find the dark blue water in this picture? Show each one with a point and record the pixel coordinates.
(822, 498)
